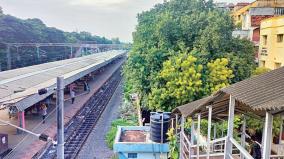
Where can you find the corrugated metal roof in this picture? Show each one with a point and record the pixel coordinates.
(18, 83)
(260, 92)
(263, 92)
(187, 109)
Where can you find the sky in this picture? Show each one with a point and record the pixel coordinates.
(108, 18)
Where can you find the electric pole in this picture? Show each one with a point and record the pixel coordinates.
(60, 117)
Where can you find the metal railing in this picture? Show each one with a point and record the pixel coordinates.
(216, 149)
(188, 149)
(276, 156)
(242, 150)
(186, 146)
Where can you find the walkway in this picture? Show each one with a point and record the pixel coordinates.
(95, 146)
(33, 144)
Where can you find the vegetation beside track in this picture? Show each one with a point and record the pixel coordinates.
(126, 118)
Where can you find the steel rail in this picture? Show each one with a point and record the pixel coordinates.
(82, 124)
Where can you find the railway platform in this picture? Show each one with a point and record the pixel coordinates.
(26, 146)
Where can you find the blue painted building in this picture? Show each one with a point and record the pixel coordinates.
(134, 142)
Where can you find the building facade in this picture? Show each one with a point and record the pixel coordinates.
(249, 18)
(271, 50)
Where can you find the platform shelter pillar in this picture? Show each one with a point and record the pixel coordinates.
(21, 120)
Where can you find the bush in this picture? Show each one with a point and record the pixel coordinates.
(260, 70)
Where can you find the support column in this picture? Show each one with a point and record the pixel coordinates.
(214, 131)
(228, 143)
(181, 137)
(267, 135)
(38, 54)
(21, 121)
(71, 52)
(198, 133)
(176, 124)
(192, 132)
(191, 151)
(18, 55)
(214, 135)
(243, 136)
(209, 130)
(9, 58)
(281, 129)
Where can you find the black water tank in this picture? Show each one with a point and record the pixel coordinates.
(157, 120)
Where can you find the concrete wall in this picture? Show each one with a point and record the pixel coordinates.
(269, 3)
(243, 34)
(145, 156)
(256, 35)
(273, 52)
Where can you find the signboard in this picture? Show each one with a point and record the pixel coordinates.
(263, 52)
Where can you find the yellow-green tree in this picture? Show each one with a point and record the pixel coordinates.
(218, 75)
(260, 70)
(179, 82)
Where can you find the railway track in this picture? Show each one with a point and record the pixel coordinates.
(82, 124)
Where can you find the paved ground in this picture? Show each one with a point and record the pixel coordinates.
(33, 144)
(95, 146)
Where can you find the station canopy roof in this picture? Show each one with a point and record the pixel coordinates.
(19, 84)
(254, 95)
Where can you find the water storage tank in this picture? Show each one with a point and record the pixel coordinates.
(159, 125)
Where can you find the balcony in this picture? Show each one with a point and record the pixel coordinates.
(243, 34)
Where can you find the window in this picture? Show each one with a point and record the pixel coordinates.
(262, 63)
(277, 65)
(280, 38)
(132, 155)
(264, 39)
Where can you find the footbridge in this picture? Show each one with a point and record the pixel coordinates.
(76, 49)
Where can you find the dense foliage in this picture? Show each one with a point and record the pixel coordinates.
(179, 82)
(173, 144)
(260, 70)
(15, 30)
(127, 117)
(183, 50)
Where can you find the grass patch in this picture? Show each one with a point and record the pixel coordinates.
(112, 132)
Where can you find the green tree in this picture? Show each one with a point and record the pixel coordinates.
(15, 30)
(162, 34)
(1, 11)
